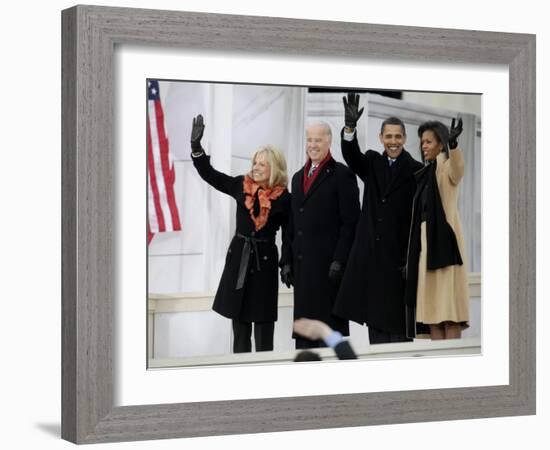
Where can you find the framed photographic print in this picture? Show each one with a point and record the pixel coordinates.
(109, 54)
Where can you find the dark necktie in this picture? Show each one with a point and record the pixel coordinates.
(391, 169)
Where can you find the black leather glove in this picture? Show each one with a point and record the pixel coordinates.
(352, 113)
(286, 275)
(196, 134)
(454, 133)
(335, 272)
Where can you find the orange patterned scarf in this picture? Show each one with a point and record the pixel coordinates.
(265, 195)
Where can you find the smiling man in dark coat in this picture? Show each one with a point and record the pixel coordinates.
(371, 291)
(325, 209)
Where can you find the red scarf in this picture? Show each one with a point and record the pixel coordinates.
(265, 195)
(308, 181)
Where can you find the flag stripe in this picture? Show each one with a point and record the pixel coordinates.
(159, 173)
(152, 221)
(156, 217)
(167, 168)
(149, 234)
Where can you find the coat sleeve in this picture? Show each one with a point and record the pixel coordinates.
(348, 205)
(287, 231)
(356, 161)
(220, 181)
(456, 165)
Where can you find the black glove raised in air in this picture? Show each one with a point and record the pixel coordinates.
(352, 113)
(454, 133)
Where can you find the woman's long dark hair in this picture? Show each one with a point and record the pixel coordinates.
(441, 133)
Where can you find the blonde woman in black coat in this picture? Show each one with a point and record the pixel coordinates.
(248, 289)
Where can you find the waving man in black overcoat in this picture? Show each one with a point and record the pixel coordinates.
(371, 291)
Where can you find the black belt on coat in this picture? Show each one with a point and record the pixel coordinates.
(250, 243)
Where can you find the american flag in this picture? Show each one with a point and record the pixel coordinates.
(162, 208)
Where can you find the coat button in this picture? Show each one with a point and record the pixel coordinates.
(301, 210)
(300, 233)
(265, 258)
(383, 200)
(300, 257)
(253, 233)
(380, 219)
(377, 238)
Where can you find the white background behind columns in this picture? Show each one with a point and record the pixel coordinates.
(215, 226)
(31, 388)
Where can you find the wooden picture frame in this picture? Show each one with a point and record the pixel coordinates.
(90, 34)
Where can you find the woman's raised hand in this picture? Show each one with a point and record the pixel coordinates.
(454, 133)
(196, 134)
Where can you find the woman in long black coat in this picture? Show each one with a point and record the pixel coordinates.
(248, 289)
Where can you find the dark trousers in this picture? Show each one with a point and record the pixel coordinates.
(302, 343)
(263, 336)
(382, 337)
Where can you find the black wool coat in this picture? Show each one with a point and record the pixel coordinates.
(372, 290)
(251, 252)
(323, 224)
